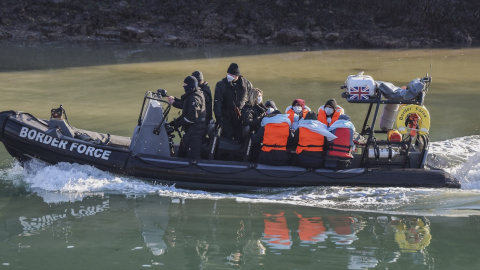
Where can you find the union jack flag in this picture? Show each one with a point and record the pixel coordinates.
(359, 92)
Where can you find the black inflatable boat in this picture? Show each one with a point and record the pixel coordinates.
(151, 154)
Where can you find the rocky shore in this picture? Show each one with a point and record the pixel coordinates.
(192, 23)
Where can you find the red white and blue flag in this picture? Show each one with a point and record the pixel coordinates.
(359, 92)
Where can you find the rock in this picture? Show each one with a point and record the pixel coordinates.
(289, 36)
(170, 38)
(265, 28)
(316, 36)
(212, 27)
(132, 34)
(332, 37)
(5, 35)
(108, 34)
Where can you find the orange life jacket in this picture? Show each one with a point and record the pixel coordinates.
(276, 231)
(311, 229)
(322, 115)
(275, 136)
(309, 140)
(342, 145)
(291, 114)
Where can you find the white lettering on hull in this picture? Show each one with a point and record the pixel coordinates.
(41, 137)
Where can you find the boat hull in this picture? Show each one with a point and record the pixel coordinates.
(26, 137)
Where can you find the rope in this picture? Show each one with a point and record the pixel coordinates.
(345, 177)
(278, 176)
(194, 163)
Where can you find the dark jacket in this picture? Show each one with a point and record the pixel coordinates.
(207, 94)
(252, 115)
(230, 95)
(193, 111)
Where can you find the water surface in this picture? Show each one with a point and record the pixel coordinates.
(77, 217)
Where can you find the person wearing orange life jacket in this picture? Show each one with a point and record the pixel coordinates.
(275, 135)
(297, 111)
(339, 151)
(309, 141)
(329, 112)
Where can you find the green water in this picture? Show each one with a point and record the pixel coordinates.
(57, 218)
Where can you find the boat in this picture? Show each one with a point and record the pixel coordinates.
(383, 157)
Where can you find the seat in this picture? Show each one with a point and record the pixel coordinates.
(227, 149)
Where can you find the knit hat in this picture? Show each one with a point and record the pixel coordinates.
(332, 102)
(310, 116)
(300, 102)
(233, 69)
(270, 104)
(198, 75)
(191, 83)
(344, 117)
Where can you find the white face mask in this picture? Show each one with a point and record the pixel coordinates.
(230, 78)
(259, 99)
(297, 109)
(328, 111)
(270, 110)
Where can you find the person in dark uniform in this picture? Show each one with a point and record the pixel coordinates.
(192, 119)
(230, 96)
(254, 110)
(178, 103)
(206, 93)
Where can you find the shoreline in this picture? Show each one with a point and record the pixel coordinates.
(310, 25)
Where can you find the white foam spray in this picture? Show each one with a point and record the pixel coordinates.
(460, 157)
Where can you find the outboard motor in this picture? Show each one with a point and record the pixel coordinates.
(150, 136)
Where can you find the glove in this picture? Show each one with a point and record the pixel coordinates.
(175, 123)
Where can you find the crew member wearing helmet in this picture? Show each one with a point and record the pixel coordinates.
(329, 112)
(192, 119)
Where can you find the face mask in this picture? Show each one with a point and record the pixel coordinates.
(297, 109)
(259, 99)
(270, 110)
(230, 78)
(328, 111)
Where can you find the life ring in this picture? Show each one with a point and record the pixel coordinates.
(423, 121)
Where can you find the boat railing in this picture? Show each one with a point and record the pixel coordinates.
(369, 131)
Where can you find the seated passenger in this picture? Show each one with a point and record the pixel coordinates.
(270, 105)
(329, 112)
(254, 110)
(340, 149)
(297, 111)
(255, 147)
(275, 135)
(309, 141)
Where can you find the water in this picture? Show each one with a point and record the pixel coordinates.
(77, 217)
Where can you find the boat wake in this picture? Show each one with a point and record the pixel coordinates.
(461, 157)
